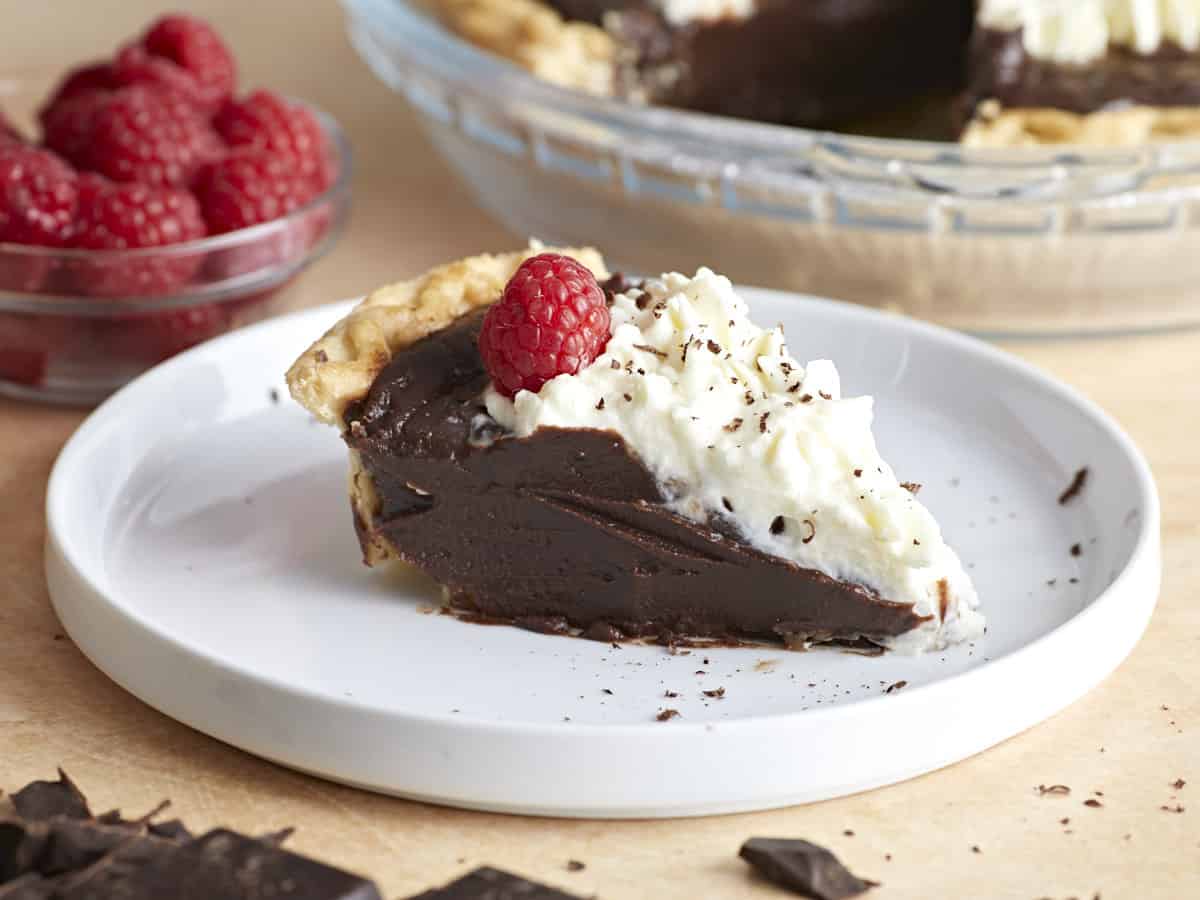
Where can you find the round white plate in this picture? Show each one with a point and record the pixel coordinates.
(200, 551)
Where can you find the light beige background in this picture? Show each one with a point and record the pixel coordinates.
(1130, 738)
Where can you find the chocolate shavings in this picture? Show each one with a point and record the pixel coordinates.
(896, 686)
(812, 532)
(1058, 790)
(1074, 488)
(646, 348)
(667, 715)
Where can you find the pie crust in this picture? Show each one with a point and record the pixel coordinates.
(570, 54)
(340, 367)
(1127, 126)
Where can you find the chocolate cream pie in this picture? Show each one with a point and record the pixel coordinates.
(684, 478)
(1016, 72)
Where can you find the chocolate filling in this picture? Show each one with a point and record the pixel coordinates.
(815, 63)
(566, 529)
(1001, 68)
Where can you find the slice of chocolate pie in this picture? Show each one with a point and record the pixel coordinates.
(684, 477)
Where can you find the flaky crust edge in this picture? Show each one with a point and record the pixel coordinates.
(1126, 126)
(340, 367)
(531, 34)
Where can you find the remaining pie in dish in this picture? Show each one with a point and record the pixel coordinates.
(1016, 71)
(571, 452)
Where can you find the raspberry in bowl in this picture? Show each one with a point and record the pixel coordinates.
(146, 205)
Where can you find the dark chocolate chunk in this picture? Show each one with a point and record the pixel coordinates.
(41, 800)
(220, 865)
(492, 884)
(1077, 550)
(20, 844)
(804, 868)
(1073, 489)
(69, 845)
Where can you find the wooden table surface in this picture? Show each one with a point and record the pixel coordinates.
(1130, 738)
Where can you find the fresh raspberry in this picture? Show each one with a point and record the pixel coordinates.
(184, 54)
(67, 125)
(147, 135)
(93, 78)
(132, 216)
(250, 186)
(269, 122)
(38, 196)
(551, 320)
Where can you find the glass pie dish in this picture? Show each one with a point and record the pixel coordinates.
(73, 330)
(1041, 240)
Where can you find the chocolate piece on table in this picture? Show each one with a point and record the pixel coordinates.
(492, 884)
(804, 868)
(220, 865)
(40, 800)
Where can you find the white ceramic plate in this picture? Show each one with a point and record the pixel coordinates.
(200, 551)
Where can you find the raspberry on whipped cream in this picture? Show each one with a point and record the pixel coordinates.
(734, 428)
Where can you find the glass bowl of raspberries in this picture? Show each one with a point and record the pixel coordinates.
(146, 206)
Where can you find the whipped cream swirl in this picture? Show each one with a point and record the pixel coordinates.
(1079, 31)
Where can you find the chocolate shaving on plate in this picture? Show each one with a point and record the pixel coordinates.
(803, 868)
(1073, 489)
(1056, 789)
(667, 715)
(487, 883)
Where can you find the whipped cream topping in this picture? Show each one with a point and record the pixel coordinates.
(681, 12)
(1080, 31)
(731, 425)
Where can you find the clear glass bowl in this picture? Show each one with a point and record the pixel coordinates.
(1022, 241)
(75, 325)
